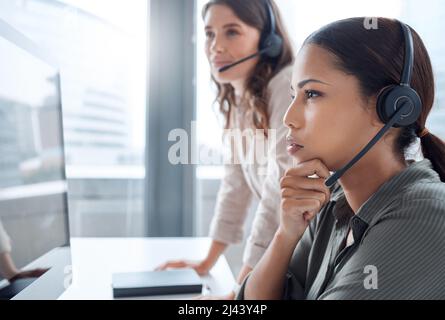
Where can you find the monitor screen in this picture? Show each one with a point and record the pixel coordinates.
(33, 188)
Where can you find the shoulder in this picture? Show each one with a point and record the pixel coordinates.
(426, 198)
(418, 208)
(427, 190)
(279, 95)
(421, 193)
(281, 79)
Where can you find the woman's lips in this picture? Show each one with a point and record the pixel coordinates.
(292, 146)
(220, 64)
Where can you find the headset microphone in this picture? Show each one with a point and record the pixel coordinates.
(397, 105)
(227, 67)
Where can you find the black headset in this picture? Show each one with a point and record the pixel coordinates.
(394, 97)
(397, 105)
(271, 43)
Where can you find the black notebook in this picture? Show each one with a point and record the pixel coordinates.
(150, 283)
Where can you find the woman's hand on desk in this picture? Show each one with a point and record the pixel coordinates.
(35, 273)
(201, 267)
(302, 197)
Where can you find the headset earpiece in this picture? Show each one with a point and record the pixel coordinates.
(392, 98)
(271, 43)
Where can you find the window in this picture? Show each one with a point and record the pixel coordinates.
(101, 48)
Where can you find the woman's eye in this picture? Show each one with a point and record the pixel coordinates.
(310, 94)
(209, 35)
(232, 33)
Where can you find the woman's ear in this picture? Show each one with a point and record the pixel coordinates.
(372, 109)
(377, 123)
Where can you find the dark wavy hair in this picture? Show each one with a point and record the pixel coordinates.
(254, 13)
(375, 57)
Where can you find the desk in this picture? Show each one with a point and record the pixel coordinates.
(96, 259)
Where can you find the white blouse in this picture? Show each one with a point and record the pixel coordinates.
(256, 177)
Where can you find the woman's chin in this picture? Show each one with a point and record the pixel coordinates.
(297, 158)
(226, 77)
(222, 79)
(300, 157)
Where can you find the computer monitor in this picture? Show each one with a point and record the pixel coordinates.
(34, 232)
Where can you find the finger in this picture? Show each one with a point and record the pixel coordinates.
(36, 272)
(177, 264)
(305, 183)
(159, 268)
(300, 206)
(309, 215)
(163, 266)
(309, 168)
(171, 264)
(303, 194)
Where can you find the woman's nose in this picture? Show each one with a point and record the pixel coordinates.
(292, 118)
(217, 45)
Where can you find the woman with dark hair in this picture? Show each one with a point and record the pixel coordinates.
(379, 233)
(253, 96)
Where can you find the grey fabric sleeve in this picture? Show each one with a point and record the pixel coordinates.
(295, 276)
(294, 286)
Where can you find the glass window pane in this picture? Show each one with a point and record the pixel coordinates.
(101, 48)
